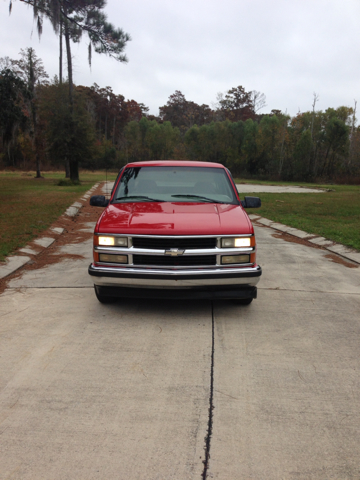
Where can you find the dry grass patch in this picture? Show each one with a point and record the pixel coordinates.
(29, 205)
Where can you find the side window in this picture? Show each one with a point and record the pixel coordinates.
(232, 180)
(117, 178)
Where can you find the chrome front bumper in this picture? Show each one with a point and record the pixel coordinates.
(160, 278)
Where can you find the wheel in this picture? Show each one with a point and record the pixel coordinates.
(244, 301)
(103, 298)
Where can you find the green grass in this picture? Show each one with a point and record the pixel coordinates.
(333, 214)
(28, 206)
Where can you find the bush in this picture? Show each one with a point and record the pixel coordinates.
(66, 183)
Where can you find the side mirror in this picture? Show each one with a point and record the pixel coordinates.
(251, 202)
(98, 201)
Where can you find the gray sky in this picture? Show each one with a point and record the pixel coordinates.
(286, 49)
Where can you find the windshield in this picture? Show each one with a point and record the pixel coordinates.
(175, 184)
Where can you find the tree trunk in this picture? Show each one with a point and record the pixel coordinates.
(73, 163)
(315, 160)
(282, 149)
(69, 65)
(67, 168)
(60, 51)
(352, 143)
(33, 114)
(74, 171)
(38, 173)
(325, 164)
(35, 136)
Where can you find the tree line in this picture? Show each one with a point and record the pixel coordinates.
(40, 124)
(70, 19)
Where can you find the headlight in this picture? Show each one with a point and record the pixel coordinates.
(103, 257)
(230, 259)
(236, 242)
(107, 241)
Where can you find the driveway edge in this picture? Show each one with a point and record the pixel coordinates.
(333, 247)
(14, 262)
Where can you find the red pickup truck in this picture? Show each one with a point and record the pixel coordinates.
(175, 229)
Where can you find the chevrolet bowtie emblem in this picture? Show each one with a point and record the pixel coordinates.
(174, 252)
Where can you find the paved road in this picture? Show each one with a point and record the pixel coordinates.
(89, 391)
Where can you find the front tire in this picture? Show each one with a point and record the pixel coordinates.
(103, 298)
(245, 301)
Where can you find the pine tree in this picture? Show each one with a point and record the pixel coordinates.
(76, 17)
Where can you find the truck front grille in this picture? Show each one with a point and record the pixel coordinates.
(167, 243)
(169, 261)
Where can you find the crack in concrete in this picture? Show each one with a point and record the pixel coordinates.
(47, 288)
(211, 399)
(280, 289)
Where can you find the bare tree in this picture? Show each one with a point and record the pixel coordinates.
(216, 106)
(312, 154)
(352, 136)
(6, 63)
(285, 121)
(258, 99)
(31, 70)
(316, 98)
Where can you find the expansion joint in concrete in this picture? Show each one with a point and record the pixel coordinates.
(211, 399)
(71, 287)
(320, 292)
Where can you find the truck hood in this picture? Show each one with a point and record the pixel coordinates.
(168, 218)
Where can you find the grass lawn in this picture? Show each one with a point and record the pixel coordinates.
(29, 205)
(334, 214)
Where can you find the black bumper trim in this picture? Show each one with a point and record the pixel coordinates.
(208, 293)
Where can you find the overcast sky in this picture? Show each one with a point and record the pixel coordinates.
(286, 49)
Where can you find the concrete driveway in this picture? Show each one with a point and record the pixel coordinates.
(249, 188)
(151, 389)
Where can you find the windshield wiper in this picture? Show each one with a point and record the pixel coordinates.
(200, 197)
(143, 198)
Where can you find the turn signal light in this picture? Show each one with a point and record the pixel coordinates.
(104, 257)
(230, 259)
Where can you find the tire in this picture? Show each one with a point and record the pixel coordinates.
(104, 298)
(244, 301)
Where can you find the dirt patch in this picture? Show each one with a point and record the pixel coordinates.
(333, 257)
(336, 259)
(72, 234)
(292, 239)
